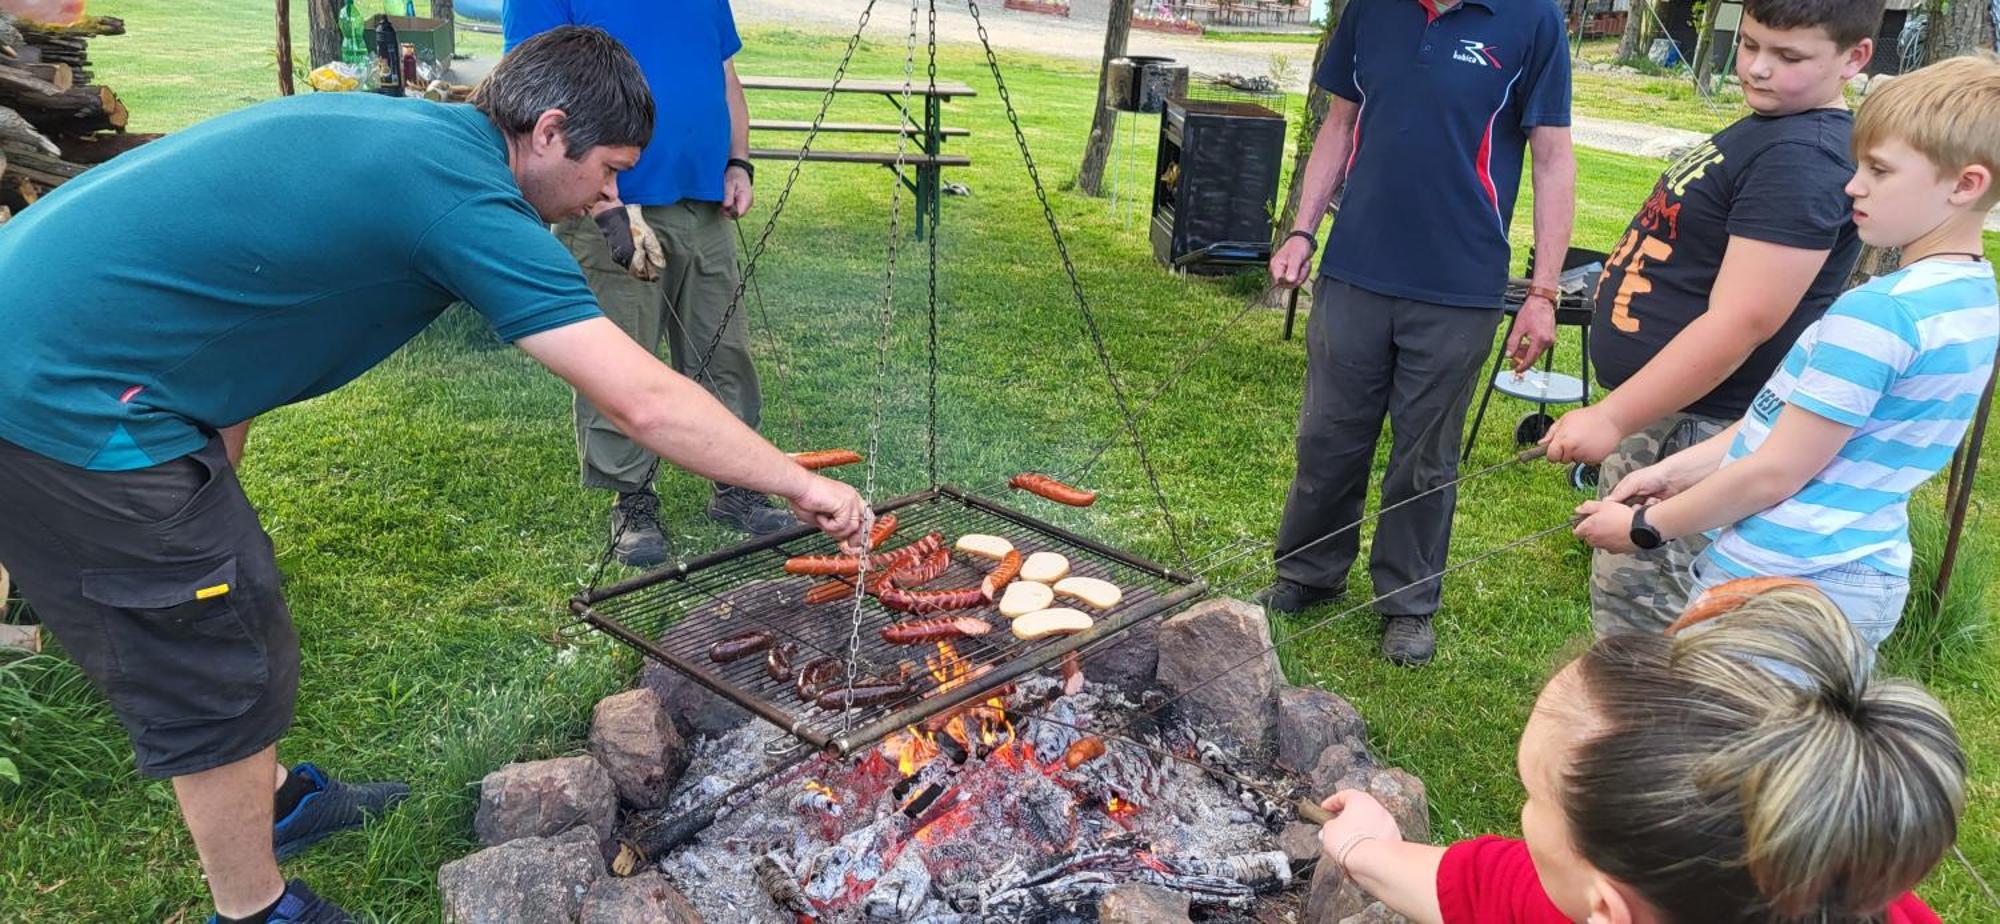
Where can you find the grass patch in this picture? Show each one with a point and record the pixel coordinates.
(1285, 38)
(429, 526)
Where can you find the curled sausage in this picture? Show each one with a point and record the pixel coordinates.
(917, 573)
(917, 631)
(1044, 486)
(930, 601)
(814, 675)
(829, 591)
(1082, 752)
(778, 661)
(739, 646)
(1002, 574)
(826, 458)
(885, 526)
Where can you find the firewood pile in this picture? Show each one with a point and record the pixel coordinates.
(55, 120)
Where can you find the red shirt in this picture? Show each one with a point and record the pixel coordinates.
(1491, 879)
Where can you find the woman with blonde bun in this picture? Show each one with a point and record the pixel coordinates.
(1744, 767)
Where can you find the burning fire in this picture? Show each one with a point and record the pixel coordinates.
(982, 728)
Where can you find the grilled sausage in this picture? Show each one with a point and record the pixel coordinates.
(778, 661)
(930, 601)
(917, 631)
(885, 526)
(1002, 574)
(1044, 486)
(829, 565)
(826, 458)
(814, 675)
(917, 573)
(829, 591)
(740, 646)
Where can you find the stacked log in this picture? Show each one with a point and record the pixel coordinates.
(55, 121)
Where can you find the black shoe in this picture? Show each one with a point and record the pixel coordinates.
(1408, 641)
(635, 529)
(748, 511)
(298, 905)
(330, 808)
(1286, 596)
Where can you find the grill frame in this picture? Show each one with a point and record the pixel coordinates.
(671, 615)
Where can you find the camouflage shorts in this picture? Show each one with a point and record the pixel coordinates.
(1646, 590)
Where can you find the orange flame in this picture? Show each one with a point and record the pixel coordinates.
(1119, 808)
(822, 789)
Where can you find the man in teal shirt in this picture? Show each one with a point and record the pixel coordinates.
(129, 390)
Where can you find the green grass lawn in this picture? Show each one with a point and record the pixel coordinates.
(428, 523)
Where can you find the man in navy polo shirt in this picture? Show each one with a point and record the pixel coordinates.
(663, 266)
(1433, 105)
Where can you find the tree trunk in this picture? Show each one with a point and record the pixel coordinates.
(1704, 49)
(323, 28)
(284, 47)
(1874, 261)
(1635, 24)
(441, 9)
(1317, 101)
(1960, 28)
(1104, 125)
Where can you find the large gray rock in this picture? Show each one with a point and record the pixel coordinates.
(1136, 903)
(1331, 897)
(696, 710)
(1375, 913)
(531, 880)
(1300, 841)
(1199, 654)
(647, 898)
(1398, 791)
(1335, 763)
(1129, 661)
(546, 797)
(1308, 721)
(632, 736)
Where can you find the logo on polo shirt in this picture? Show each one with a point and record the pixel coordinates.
(1475, 52)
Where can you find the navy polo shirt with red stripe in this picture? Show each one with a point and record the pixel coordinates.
(1447, 99)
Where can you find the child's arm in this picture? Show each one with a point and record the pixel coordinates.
(1364, 840)
(1800, 445)
(1756, 291)
(1675, 473)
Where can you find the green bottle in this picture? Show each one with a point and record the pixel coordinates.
(353, 40)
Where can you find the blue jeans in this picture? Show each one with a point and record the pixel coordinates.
(1871, 600)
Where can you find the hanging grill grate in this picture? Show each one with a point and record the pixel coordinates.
(672, 616)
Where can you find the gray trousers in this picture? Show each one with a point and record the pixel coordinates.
(683, 308)
(1371, 357)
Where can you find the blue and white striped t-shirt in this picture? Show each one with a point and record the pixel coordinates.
(1903, 360)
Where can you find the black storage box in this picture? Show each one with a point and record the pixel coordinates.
(1215, 190)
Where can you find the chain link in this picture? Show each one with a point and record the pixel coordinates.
(1076, 287)
(930, 100)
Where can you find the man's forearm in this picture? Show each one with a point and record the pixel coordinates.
(685, 425)
(1555, 203)
(1326, 169)
(739, 118)
(1698, 359)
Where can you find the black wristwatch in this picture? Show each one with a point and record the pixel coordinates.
(749, 169)
(1312, 243)
(1643, 534)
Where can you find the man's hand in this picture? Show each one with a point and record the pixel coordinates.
(1356, 817)
(837, 509)
(1534, 333)
(1606, 525)
(1586, 434)
(737, 194)
(1291, 263)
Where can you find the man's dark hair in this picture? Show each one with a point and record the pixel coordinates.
(1847, 22)
(580, 70)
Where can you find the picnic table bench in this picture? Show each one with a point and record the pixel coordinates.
(928, 160)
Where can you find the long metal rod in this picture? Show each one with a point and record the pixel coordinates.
(1961, 499)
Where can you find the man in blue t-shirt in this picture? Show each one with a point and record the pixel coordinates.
(1434, 104)
(664, 264)
(128, 392)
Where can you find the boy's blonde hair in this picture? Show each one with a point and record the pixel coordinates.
(1949, 112)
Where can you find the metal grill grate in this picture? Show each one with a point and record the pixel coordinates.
(673, 615)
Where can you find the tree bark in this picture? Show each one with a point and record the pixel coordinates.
(1635, 24)
(18, 130)
(284, 12)
(1104, 125)
(80, 111)
(1960, 28)
(1704, 49)
(98, 148)
(1874, 261)
(323, 31)
(60, 76)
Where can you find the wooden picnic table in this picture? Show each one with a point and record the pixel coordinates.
(926, 127)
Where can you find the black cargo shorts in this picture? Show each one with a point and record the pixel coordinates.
(160, 583)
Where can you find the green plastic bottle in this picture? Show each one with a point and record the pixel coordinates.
(353, 39)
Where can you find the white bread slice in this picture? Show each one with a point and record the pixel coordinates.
(1024, 597)
(1096, 592)
(1045, 568)
(981, 545)
(1060, 620)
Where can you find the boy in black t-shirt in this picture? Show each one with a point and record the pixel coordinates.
(1744, 242)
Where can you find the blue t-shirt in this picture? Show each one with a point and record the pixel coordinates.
(681, 46)
(1446, 103)
(1902, 360)
(261, 258)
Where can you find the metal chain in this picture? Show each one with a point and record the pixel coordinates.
(887, 317)
(785, 193)
(1076, 285)
(930, 100)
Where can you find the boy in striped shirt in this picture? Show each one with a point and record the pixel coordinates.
(1814, 481)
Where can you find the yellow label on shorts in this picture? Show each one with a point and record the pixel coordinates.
(208, 593)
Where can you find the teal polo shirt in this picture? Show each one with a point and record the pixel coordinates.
(258, 259)
(1447, 99)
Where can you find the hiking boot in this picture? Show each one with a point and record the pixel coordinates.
(1287, 596)
(298, 905)
(332, 807)
(1408, 641)
(748, 511)
(635, 529)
